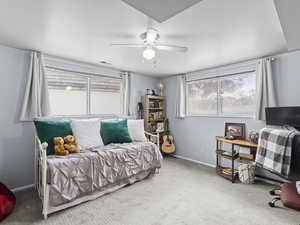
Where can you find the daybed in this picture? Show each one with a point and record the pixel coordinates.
(65, 181)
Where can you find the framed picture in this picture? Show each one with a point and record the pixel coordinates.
(160, 127)
(237, 130)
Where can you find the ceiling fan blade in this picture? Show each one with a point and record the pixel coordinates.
(128, 45)
(173, 48)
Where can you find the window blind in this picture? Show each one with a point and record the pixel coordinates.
(61, 80)
(104, 84)
(93, 94)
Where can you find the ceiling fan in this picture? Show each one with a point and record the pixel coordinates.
(150, 44)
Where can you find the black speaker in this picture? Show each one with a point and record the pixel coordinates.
(140, 107)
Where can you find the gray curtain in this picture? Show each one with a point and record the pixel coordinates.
(125, 92)
(180, 110)
(265, 93)
(36, 99)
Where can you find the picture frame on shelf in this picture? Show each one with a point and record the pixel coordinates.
(160, 127)
(236, 130)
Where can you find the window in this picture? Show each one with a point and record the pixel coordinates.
(203, 97)
(232, 95)
(238, 94)
(105, 95)
(78, 94)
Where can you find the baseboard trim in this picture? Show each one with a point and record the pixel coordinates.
(195, 161)
(22, 188)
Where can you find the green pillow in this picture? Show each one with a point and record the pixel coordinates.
(115, 132)
(47, 130)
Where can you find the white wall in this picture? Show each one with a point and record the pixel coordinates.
(287, 78)
(139, 84)
(17, 138)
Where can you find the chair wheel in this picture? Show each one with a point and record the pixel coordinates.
(271, 204)
(272, 192)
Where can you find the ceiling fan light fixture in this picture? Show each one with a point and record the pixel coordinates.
(149, 53)
(151, 35)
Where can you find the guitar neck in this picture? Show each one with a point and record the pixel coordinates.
(167, 127)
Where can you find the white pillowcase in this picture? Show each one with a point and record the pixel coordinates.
(136, 130)
(87, 133)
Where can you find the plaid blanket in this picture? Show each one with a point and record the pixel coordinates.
(275, 150)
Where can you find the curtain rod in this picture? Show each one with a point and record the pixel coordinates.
(226, 75)
(273, 58)
(79, 72)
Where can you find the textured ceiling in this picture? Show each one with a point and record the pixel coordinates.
(216, 32)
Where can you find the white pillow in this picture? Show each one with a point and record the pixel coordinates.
(136, 130)
(87, 132)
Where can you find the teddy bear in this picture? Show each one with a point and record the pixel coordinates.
(71, 144)
(59, 146)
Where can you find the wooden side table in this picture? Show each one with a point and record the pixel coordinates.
(220, 153)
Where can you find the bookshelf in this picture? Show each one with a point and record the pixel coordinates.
(232, 156)
(154, 112)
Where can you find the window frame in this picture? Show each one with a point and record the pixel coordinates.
(89, 77)
(219, 106)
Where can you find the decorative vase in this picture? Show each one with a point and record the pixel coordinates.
(161, 87)
(253, 137)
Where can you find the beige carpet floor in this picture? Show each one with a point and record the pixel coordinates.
(183, 193)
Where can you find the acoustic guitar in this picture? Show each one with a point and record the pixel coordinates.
(168, 145)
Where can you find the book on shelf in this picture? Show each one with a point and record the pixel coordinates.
(227, 153)
(246, 156)
(156, 116)
(155, 104)
(244, 150)
(153, 128)
(228, 171)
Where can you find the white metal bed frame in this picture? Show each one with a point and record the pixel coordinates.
(42, 185)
